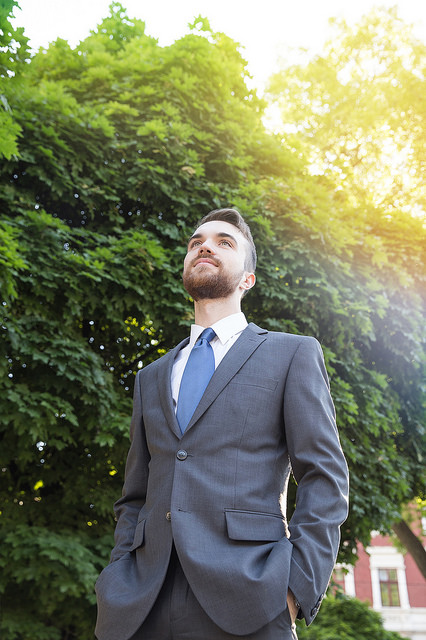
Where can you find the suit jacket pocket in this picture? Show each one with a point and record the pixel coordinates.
(258, 380)
(254, 525)
(139, 535)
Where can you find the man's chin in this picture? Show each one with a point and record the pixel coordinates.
(202, 292)
(209, 285)
(203, 288)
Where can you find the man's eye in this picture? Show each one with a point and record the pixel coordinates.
(226, 242)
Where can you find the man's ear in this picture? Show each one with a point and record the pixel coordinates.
(247, 281)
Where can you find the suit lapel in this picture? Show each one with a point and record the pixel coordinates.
(244, 347)
(165, 387)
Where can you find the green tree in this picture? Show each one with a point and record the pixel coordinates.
(357, 113)
(342, 618)
(358, 110)
(13, 52)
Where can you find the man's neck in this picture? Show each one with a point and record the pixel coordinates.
(207, 312)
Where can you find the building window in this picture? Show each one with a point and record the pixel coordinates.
(339, 574)
(338, 580)
(389, 592)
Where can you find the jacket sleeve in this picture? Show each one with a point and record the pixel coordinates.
(135, 482)
(321, 473)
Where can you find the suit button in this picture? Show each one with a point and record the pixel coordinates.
(168, 516)
(181, 454)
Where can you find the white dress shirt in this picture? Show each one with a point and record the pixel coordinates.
(227, 331)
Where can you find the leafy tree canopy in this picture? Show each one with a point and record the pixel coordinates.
(13, 52)
(343, 618)
(357, 110)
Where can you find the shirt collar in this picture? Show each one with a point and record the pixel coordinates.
(225, 328)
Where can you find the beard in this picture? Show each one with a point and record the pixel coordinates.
(202, 284)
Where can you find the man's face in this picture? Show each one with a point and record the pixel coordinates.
(214, 264)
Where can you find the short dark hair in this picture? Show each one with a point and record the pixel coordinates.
(234, 217)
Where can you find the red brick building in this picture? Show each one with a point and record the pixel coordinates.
(391, 582)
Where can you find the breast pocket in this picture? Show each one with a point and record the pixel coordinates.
(254, 398)
(254, 380)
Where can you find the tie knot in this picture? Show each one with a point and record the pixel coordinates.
(208, 334)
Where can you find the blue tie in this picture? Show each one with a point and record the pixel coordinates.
(196, 376)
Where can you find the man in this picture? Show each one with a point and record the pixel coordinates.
(202, 549)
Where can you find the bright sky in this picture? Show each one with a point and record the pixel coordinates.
(266, 29)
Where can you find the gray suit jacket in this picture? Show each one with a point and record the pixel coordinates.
(215, 490)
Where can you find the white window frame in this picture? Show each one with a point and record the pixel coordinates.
(387, 558)
(349, 579)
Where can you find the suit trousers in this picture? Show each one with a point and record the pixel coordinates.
(177, 615)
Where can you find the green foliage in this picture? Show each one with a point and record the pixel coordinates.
(355, 113)
(13, 52)
(13, 43)
(57, 572)
(357, 110)
(342, 618)
(120, 147)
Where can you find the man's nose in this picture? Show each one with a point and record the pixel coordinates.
(206, 247)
